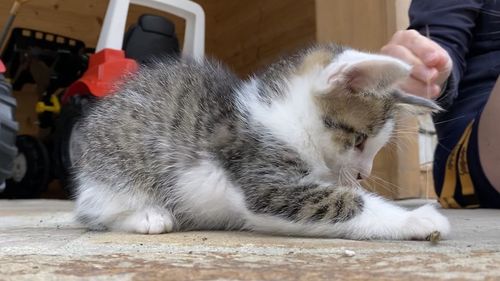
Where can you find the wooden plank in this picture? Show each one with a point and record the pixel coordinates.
(250, 34)
(360, 24)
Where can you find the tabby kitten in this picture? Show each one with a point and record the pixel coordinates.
(187, 145)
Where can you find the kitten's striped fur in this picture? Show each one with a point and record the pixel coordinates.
(186, 144)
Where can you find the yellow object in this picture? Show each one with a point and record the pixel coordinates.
(457, 163)
(55, 107)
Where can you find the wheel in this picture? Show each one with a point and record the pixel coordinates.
(31, 169)
(8, 131)
(67, 143)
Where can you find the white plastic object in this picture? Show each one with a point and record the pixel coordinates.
(113, 28)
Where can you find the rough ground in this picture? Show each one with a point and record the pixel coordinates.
(39, 241)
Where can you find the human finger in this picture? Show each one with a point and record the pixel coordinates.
(400, 52)
(419, 88)
(424, 73)
(419, 70)
(428, 51)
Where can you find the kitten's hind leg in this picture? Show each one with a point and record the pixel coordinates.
(100, 209)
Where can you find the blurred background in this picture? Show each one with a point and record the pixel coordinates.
(246, 35)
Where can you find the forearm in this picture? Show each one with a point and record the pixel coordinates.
(489, 137)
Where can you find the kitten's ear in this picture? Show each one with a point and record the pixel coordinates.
(414, 104)
(359, 72)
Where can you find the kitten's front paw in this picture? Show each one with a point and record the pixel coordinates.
(149, 221)
(425, 220)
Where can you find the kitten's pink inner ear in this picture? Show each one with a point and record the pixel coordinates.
(358, 78)
(373, 75)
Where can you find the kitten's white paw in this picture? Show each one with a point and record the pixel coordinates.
(423, 221)
(149, 221)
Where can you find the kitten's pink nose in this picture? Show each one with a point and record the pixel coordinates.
(359, 177)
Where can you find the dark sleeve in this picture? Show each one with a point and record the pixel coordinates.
(451, 25)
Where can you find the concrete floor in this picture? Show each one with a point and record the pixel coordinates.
(39, 241)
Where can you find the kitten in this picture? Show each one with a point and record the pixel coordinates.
(186, 145)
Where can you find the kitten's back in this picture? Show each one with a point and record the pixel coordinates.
(165, 109)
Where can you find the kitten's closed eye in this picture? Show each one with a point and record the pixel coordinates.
(331, 124)
(360, 141)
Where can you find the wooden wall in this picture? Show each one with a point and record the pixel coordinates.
(73, 18)
(244, 34)
(250, 34)
(362, 24)
(247, 35)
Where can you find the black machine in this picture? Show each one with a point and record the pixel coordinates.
(54, 62)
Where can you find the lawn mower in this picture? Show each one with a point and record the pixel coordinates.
(8, 129)
(117, 54)
(52, 63)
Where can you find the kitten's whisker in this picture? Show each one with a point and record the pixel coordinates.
(342, 176)
(403, 141)
(404, 145)
(450, 120)
(405, 130)
(377, 186)
(406, 126)
(428, 82)
(350, 177)
(407, 134)
(394, 146)
(390, 186)
(406, 138)
(339, 178)
(381, 180)
(400, 133)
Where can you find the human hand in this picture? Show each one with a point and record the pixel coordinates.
(431, 63)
